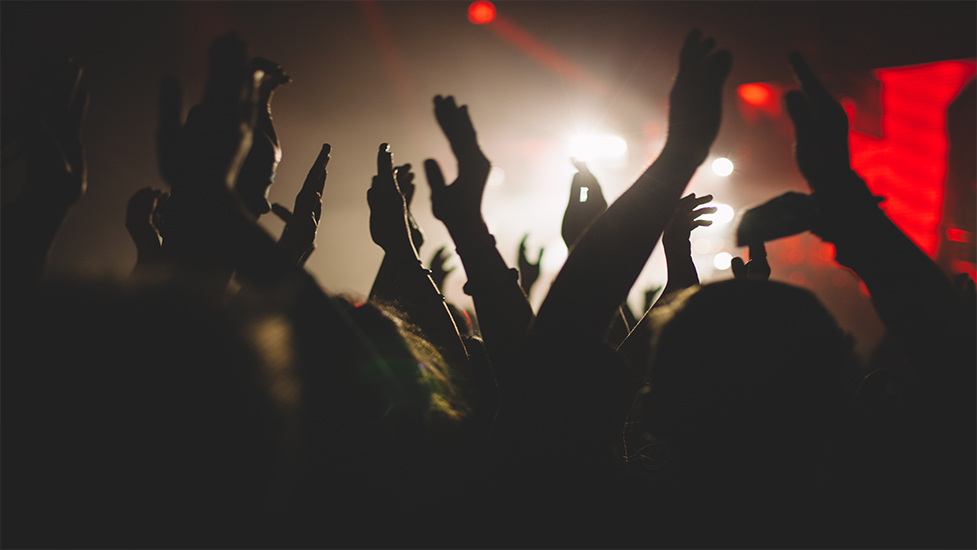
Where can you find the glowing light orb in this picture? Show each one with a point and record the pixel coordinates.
(724, 214)
(702, 245)
(722, 261)
(587, 147)
(722, 167)
(496, 176)
(481, 12)
(754, 94)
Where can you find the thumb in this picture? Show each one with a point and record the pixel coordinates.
(282, 212)
(435, 178)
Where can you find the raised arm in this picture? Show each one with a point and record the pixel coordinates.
(409, 286)
(586, 204)
(504, 313)
(48, 130)
(528, 271)
(913, 297)
(607, 259)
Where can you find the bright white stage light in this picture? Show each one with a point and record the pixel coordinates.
(588, 147)
(722, 167)
(722, 261)
(496, 176)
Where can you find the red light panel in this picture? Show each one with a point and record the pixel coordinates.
(908, 165)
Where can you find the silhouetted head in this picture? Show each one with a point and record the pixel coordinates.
(747, 375)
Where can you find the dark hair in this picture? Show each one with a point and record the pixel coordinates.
(747, 363)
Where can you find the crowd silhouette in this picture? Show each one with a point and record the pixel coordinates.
(222, 398)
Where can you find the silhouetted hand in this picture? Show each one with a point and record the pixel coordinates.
(258, 171)
(298, 238)
(405, 181)
(459, 203)
(757, 268)
(686, 218)
(143, 223)
(675, 241)
(586, 203)
(47, 127)
(695, 103)
(438, 272)
(821, 129)
(389, 226)
(528, 271)
(210, 148)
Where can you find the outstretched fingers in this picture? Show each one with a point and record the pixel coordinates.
(809, 82)
(315, 181)
(457, 127)
(690, 54)
(435, 179)
(385, 168)
(282, 212)
(717, 66)
(405, 181)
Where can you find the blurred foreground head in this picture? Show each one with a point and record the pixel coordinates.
(747, 374)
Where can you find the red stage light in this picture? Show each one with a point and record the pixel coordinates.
(481, 12)
(755, 94)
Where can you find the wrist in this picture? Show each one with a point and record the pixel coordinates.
(469, 232)
(676, 247)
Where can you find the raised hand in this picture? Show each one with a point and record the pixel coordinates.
(212, 146)
(438, 272)
(47, 127)
(389, 226)
(675, 241)
(460, 203)
(757, 268)
(405, 181)
(258, 172)
(504, 313)
(695, 103)
(298, 238)
(586, 203)
(687, 217)
(143, 221)
(528, 271)
(821, 130)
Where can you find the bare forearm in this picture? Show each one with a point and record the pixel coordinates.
(681, 269)
(504, 312)
(912, 296)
